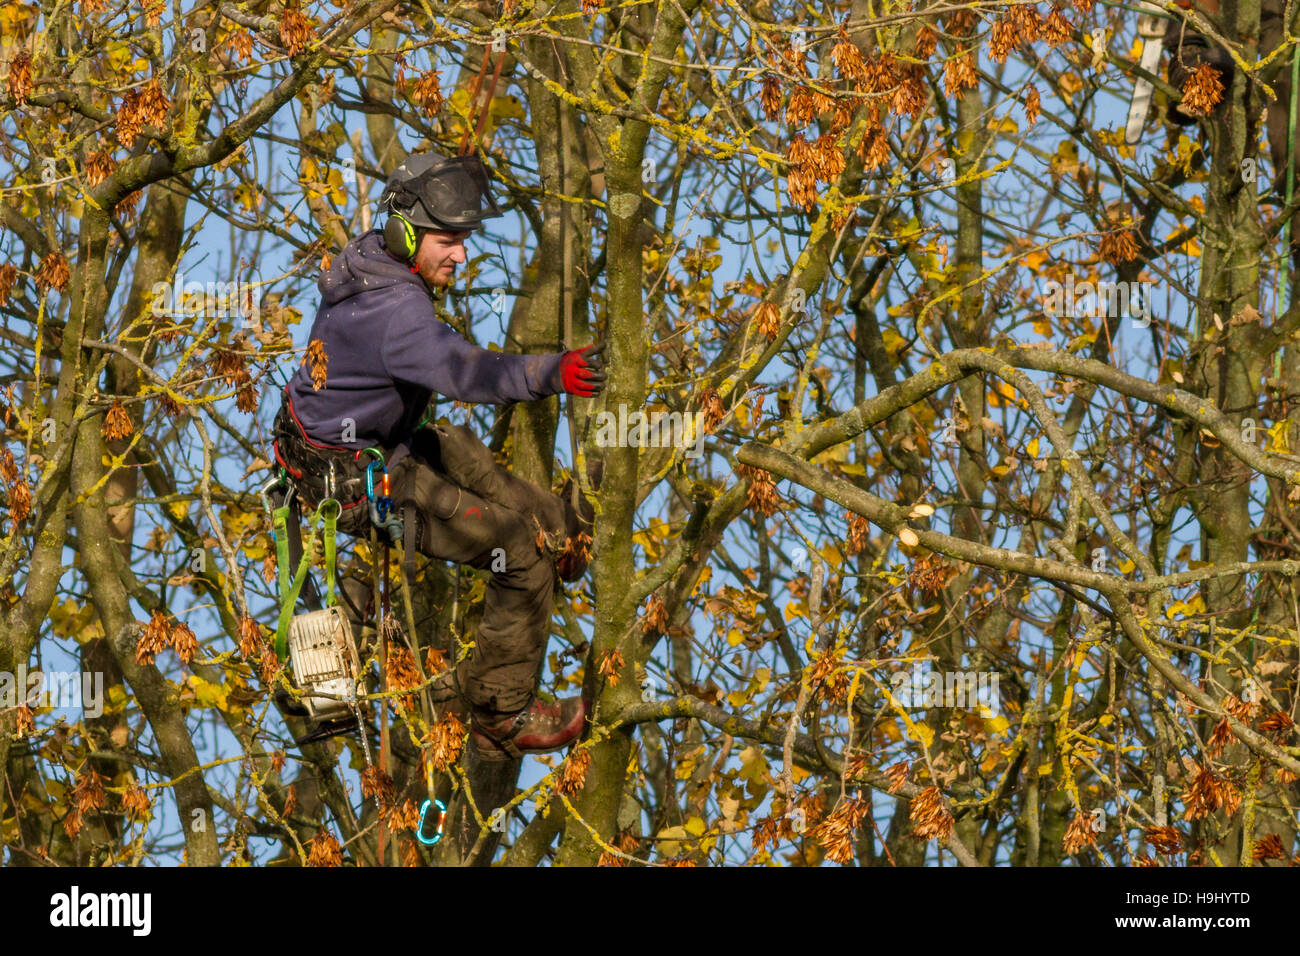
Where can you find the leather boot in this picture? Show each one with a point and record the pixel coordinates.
(538, 728)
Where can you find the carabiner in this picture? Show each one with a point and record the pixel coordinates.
(265, 491)
(329, 481)
(333, 504)
(442, 819)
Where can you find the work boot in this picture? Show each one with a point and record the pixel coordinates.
(572, 564)
(538, 728)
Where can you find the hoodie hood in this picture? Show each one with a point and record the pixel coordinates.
(364, 266)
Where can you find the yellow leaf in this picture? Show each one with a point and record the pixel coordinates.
(753, 765)
(1032, 448)
(506, 107)
(686, 765)
(117, 700)
(695, 826)
(831, 555)
(207, 693)
(895, 344)
(1034, 260)
(997, 725)
(1278, 434)
(669, 840)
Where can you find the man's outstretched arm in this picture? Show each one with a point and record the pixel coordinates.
(427, 352)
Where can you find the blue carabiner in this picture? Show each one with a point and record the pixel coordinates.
(442, 819)
(383, 502)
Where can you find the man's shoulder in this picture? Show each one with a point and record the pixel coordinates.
(391, 302)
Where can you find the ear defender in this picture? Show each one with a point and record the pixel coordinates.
(399, 236)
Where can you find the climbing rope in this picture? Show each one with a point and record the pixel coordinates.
(481, 108)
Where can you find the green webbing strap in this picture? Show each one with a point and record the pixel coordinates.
(281, 522)
(331, 523)
(329, 511)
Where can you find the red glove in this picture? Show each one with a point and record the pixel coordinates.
(582, 372)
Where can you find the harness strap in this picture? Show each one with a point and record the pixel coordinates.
(505, 744)
(410, 516)
(331, 552)
(311, 595)
(285, 530)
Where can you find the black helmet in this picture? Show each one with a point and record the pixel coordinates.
(436, 192)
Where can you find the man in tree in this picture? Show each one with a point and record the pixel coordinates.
(378, 354)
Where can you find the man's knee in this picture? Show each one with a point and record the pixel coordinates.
(415, 483)
(523, 567)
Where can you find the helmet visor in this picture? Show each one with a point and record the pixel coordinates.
(456, 194)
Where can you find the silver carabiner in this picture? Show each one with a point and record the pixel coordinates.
(275, 481)
(329, 481)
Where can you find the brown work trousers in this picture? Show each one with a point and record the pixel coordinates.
(473, 511)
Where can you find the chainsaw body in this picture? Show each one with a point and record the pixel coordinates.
(323, 655)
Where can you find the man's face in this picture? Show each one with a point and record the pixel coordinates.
(438, 255)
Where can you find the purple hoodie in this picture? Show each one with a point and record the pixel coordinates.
(387, 353)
